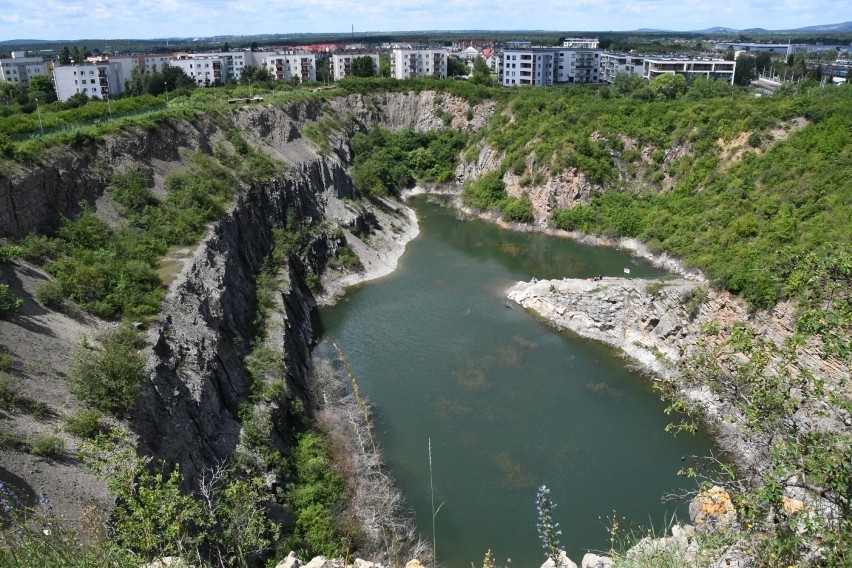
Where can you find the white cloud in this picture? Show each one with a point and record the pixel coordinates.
(70, 19)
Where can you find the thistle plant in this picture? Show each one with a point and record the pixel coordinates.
(548, 529)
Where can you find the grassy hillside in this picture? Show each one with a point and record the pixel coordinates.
(735, 185)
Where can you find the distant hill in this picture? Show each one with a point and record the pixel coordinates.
(825, 28)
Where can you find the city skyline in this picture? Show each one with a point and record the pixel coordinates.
(135, 19)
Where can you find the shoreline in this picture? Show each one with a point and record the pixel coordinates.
(380, 256)
(631, 245)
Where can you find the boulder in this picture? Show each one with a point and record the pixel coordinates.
(290, 562)
(712, 506)
(594, 561)
(564, 562)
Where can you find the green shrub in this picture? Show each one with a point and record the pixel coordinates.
(10, 253)
(693, 299)
(47, 446)
(49, 294)
(109, 378)
(346, 259)
(313, 282)
(517, 210)
(5, 361)
(9, 303)
(85, 423)
(316, 497)
(486, 192)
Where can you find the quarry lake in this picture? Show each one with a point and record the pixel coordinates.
(508, 402)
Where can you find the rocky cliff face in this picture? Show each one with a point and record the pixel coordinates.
(658, 323)
(187, 412)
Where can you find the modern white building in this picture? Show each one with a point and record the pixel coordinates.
(341, 64)
(614, 63)
(406, 63)
(548, 66)
(204, 71)
(778, 48)
(232, 62)
(580, 43)
(97, 80)
(19, 68)
(287, 65)
(154, 62)
(654, 66)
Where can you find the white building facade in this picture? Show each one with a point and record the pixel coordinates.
(407, 63)
(287, 65)
(689, 67)
(95, 80)
(614, 63)
(205, 71)
(341, 64)
(19, 68)
(549, 66)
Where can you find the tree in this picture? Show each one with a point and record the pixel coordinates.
(227, 47)
(668, 86)
(363, 66)
(481, 72)
(42, 88)
(252, 75)
(745, 70)
(64, 55)
(456, 67)
(253, 46)
(384, 65)
(323, 68)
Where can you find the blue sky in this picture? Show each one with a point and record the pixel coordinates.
(78, 19)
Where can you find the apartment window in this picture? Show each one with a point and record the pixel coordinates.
(92, 81)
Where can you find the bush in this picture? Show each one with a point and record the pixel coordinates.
(487, 192)
(109, 378)
(47, 446)
(9, 303)
(85, 423)
(49, 294)
(517, 210)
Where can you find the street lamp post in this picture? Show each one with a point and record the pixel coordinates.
(109, 106)
(166, 83)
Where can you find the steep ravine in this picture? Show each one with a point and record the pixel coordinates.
(187, 411)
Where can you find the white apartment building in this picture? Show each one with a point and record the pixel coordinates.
(778, 48)
(232, 62)
(286, 65)
(689, 66)
(406, 63)
(580, 43)
(154, 62)
(614, 63)
(341, 64)
(205, 71)
(96, 80)
(549, 66)
(20, 69)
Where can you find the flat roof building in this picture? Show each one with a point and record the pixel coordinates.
(341, 64)
(614, 63)
(19, 69)
(406, 63)
(95, 80)
(654, 66)
(550, 65)
(285, 66)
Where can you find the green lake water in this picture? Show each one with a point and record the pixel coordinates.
(508, 402)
